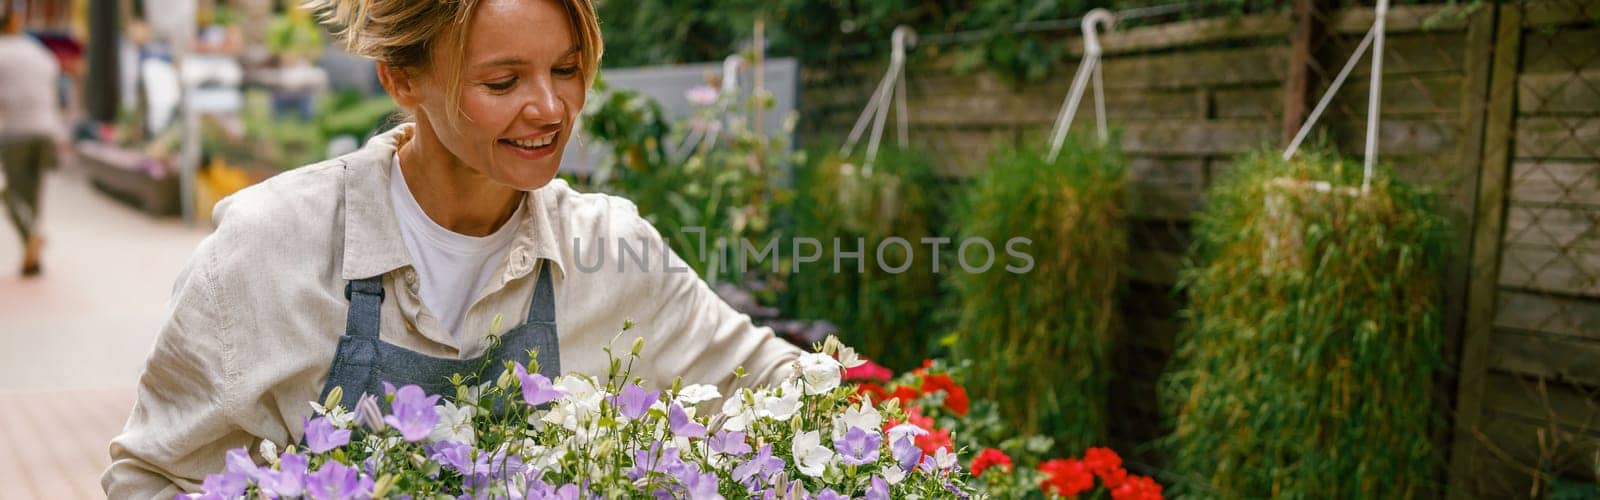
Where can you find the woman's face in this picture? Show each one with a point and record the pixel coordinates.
(522, 88)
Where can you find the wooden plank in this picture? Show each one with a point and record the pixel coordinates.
(1186, 34)
(1569, 406)
(1557, 358)
(1040, 108)
(1310, 23)
(1409, 96)
(962, 152)
(1405, 136)
(1561, 50)
(1187, 69)
(1548, 314)
(1248, 102)
(1215, 137)
(1491, 84)
(1413, 54)
(1163, 188)
(1556, 138)
(1566, 93)
(1559, 12)
(1566, 183)
(1404, 18)
(1575, 229)
(1573, 272)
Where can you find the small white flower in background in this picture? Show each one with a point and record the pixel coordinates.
(782, 404)
(893, 474)
(338, 416)
(944, 459)
(903, 430)
(455, 424)
(809, 455)
(738, 412)
(820, 371)
(702, 95)
(848, 357)
(543, 458)
(696, 394)
(862, 415)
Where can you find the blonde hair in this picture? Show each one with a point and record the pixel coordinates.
(403, 33)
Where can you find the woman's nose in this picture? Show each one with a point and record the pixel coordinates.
(544, 105)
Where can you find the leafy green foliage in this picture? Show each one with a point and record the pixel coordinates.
(1307, 367)
(888, 316)
(1040, 340)
(728, 189)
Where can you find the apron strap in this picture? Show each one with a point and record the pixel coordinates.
(366, 302)
(543, 306)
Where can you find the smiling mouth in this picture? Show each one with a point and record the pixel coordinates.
(534, 144)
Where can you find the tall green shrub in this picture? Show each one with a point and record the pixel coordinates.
(890, 317)
(1040, 340)
(1307, 367)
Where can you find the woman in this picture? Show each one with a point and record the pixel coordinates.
(397, 262)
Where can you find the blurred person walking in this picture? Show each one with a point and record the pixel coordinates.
(30, 129)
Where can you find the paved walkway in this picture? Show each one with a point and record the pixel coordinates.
(72, 342)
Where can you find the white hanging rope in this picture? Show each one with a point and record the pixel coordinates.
(1089, 66)
(1374, 38)
(891, 87)
(1373, 95)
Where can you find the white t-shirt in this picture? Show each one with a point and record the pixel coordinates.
(452, 268)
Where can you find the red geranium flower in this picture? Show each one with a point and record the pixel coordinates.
(1065, 477)
(877, 392)
(990, 457)
(1106, 464)
(869, 371)
(1137, 488)
(933, 440)
(906, 394)
(955, 396)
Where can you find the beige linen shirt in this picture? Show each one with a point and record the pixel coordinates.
(256, 316)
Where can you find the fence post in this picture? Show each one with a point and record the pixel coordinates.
(1488, 223)
(1310, 29)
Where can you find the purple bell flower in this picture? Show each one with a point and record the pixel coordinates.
(536, 389)
(634, 401)
(682, 425)
(321, 435)
(336, 481)
(859, 447)
(414, 415)
(730, 443)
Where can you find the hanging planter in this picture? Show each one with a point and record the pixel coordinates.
(1040, 340)
(1307, 366)
(884, 311)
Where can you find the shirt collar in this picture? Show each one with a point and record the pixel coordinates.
(372, 242)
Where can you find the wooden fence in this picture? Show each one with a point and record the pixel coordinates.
(1495, 106)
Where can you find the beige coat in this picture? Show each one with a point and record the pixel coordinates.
(255, 318)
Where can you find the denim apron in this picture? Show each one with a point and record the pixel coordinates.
(364, 362)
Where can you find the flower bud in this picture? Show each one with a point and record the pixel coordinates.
(638, 346)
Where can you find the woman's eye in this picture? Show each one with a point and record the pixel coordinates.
(502, 85)
(566, 70)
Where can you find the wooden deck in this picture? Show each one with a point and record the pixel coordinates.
(54, 444)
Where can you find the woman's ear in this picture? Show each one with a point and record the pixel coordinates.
(401, 85)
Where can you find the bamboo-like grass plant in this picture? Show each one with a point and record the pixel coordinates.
(1307, 366)
(890, 317)
(1040, 341)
